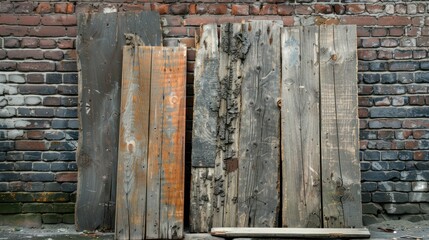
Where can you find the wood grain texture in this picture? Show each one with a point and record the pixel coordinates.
(133, 144)
(99, 47)
(259, 140)
(173, 77)
(206, 99)
(304, 233)
(201, 215)
(339, 149)
(300, 128)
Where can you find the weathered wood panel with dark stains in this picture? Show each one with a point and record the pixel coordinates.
(259, 141)
(133, 144)
(99, 47)
(339, 130)
(300, 127)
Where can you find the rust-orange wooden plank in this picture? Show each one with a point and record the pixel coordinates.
(133, 144)
(173, 142)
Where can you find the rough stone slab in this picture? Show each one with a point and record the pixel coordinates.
(29, 220)
(201, 236)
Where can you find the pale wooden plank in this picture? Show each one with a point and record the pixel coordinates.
(291, 232)
(340, 162)
(300, 128)
(99, 48)
(173, 142)
(201, 209)
(155, 143)
(133, 145)
(206, 98)
(204, 131)
(259, 140)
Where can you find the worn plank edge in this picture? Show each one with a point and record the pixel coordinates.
(292, 232)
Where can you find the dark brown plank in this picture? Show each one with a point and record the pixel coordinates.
(133, 144)
(339, 130)
(99, 47)
(259, 142)
(300, 127)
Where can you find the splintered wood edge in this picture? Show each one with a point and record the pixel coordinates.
(292, 232)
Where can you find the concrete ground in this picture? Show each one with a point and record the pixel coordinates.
(394, 230)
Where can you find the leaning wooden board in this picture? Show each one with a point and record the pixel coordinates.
(246, 144)
(99, 47)
(150, 201)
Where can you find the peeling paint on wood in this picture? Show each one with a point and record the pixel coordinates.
(99, 46)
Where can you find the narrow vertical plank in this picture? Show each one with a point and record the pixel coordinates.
(173, 142)
(204, 131)
(300, 128)
(339, 149)
(133, 144)
(99, 49)
(201, 217)
(259, 153)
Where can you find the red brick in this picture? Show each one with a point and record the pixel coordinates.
(241, 10)
(11, 43)
(394, 21)
(303, 10)
(189, 42)
(355, 8)
(25, 54)
(59, 20)
(172, 21)
(66, 177)
(43, 8)
(367, 55)
(35, 134)
(65, 43)
(36, 66)
(10, 19)
(417, 100)
(54, 55)
(389, 42)
(419, 155)
(425, 31)
(364, 102)
(285, 10)
(339, 9)
(363, 112)
(363, 32)
(217, 9)
(385, 54)
(2, 54)
(30, 145)
(322, 8)
(17, 31)
(179, 8)
(254, 9)
(403, 54)
(417, 134)
(370, 42)
(415, 123)
(135, 7)
(29, 42)
(64, 8)
(411, 144)
(396, 32)
(24, 7)
(419, 54)
(192, 8)
(47, 43)
(373, 8)
(66, 66)
(199, 20)
(359, 20)
(288, 21)
(48, 31)
(29, 20)
(201, 9)
(35, 78)
(160, 8)
(379, 32)
(71, 31)
(70, 55)
(413, 31)
(268, 9)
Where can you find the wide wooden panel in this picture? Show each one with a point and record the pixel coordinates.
(133, 144)
(300, 128)
(259, 137)
(339, 139)
(99, 47)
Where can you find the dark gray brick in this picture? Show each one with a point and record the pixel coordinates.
(366, 197)
(62, 146)
(68, 187)
(387, 112)
(390, 197)
(9, 176)
(405, 155)
(419, 196)
(406, 208)
(67, 156)
(34, 187)
(70, 78)
(52, 187)
(32, 156)
(389, 155)
(7, 146)
(388, 78)
(14, 156)
(405, 78)
(66, 112)
(22, 166)
(378, 176)
(378, 66)
(396, 165)
(54, 135)
(50, 156)
(59, 166)
(371, 78)
(364, 166)
(415, 112)
(369, 186)
(37, 177)
(422, 77)
(379, 166)
(41, 166)
(372, 208)
(54, 78)
(59, 123)
(372, 155)
(6, 166)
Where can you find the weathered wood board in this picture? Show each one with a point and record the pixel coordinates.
(99, 47)
(300, 128)
(150, 202)
(339, 127)
(259, 138)
(302, 233)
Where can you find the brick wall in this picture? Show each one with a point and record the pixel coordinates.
(38, 87)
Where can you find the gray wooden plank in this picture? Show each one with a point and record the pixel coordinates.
(259, 140)
(133, 144)
(339, 147)
(201, 209)
(206, 98)
(291, 232)
(300, 127)
(99, 47)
